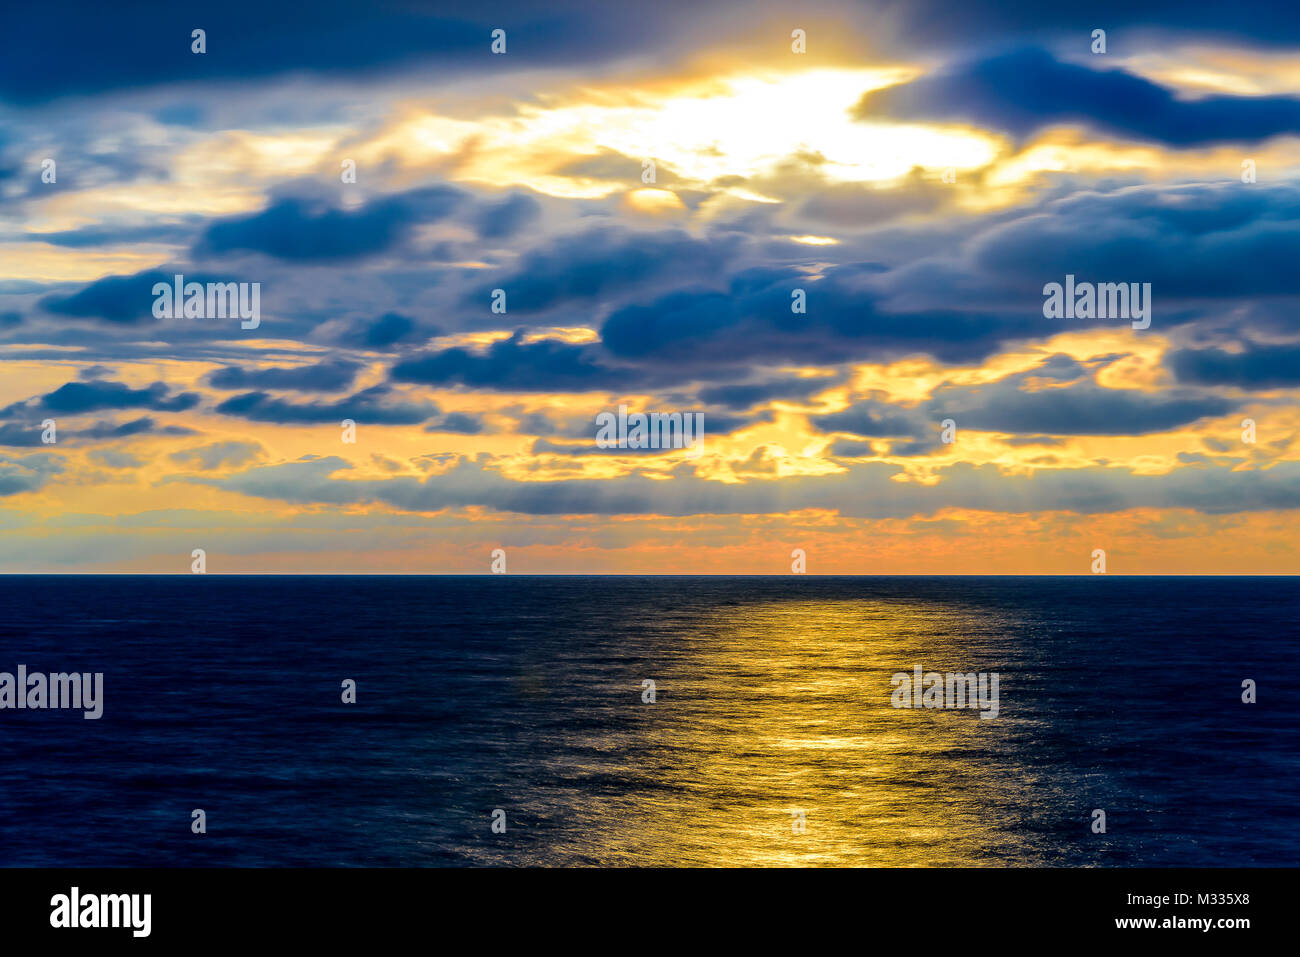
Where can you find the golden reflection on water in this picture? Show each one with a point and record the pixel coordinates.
(784, 706)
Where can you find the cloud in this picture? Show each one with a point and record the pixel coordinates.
(365, 407)
(861, 490)
(930, 23)
(580, 436)
(100, 235)
(1027, 90)
(1197, 245)
(77, 398)
(871, 418)
(511, 365)
(383, 332)
(214, 456)
(128, 46)
(20, 435)
(603, 262)
(141, 426)
(853, 205)
(27, 473)
(122, 299)
(118, 299)
(1081, 408)
(848, 449)
(1255, 367)
(329, 375)
(1026, 404)
(114, 459)
(846, 319)
(459, 423)
(304, 230)
(746, 395)
(506, 218)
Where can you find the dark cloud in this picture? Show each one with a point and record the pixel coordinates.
(511, 365)
(1024, 404)
(459, 423)
(369, 406)
(390, 330)
(385, 331)
(845, 320)
(119, 299)
(603, 262)
(123, 299)
(20, 435)
(1256, 366)
(327, 376)
(721, 424)
(100, 48)
(28, 434)
(746, 395)
(306, 230)
(77, 398)
(1195, 244)
(1027, 90)
(1081, 408)
(871, 418)
(142, 426)
(926, 23)
(849, 449)
(916, 448)
(504, 219)
(91, 236)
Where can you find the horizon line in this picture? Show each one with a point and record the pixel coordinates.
(609, 575)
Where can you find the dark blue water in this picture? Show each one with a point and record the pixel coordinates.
(772, 710)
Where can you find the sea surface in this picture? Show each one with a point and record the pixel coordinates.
(771, 739)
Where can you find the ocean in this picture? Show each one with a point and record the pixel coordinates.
(507, 720)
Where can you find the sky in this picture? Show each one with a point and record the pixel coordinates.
(827, 228)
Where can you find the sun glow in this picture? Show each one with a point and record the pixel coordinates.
(742, 126)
